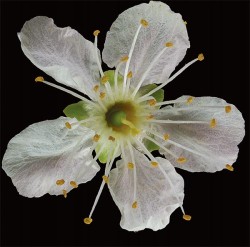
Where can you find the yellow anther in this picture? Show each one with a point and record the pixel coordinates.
(154, 164)
(190, 100)
(96, 88)
(60, 182)
(131, 165)
(111, 138)
(181, 160)
(213, 123)
(64, 193)
(166, 137)
(229, 168)
(186, 217)
(73, 184)
(87, 221)
(185, 22)
(124, 59)
(152, 102)
(68, 125)
(105, 179)
(39, 79)
(200, 57)
(96, 32)
(169, 44)
(150, 117)
(102, 95)
(144, 23)
(228, 108)
(134, 205)
(104, 79)
(130, 74)
(96, 138)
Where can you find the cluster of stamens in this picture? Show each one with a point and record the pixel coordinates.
(116, 117)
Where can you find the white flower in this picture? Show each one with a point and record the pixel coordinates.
(122, 117)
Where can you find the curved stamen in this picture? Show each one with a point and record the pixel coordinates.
(200, 58)
(177, 122)
(96, 32)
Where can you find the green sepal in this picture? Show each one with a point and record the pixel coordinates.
(77, 110)
(158, 95)
(151, 146)
(111, 75)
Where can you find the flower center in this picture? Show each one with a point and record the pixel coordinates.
(121, 117)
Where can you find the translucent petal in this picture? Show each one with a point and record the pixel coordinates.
(163, 26)
(61, 53)
(216, 146)
(156, 198)
(46, 152)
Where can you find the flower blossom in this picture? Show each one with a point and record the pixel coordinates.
(122, 117)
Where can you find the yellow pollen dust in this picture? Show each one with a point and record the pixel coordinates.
(96, 88)
(39, 79)
(102, 95)
(150, 117)
(96, 32)
(169, 44)
(96, 138)
(134, 205)
(68, 125)
(200, 57)
(186, 217)
(73, 184)
(131, 165)
(64, 193)
(144, 23)
(213, 123)
(111, 138)
(60, 182)
(181, 160)
(124, 59)
(229, 168)
(152, 102)
(154, 164)
(104, 79)
(130, 74)
(105, 179)
(228, 108)
(166, 137)
(190, 100)
(87, 221)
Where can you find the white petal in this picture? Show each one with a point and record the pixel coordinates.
(60, 52)
(46, 152)
(216, 146)
(164, 26)
(156, 198)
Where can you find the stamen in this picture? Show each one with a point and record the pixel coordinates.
(96, 88)
(144, 23)
(96, 138)
(181, 160)
(169, 44)
(177, 122)
(152, 102)
(149, 117)
(131, 165)
(170, 102)
(87, 221)
(154, 164)
(213, 123)
(96, 53)
(70, 92)
(102, 95)
(105, 179)
(130, 74)
(135, 205)
(169, 80)
(111, 138)
(39, 79)
(190, 100)
(228, 109)
(96, 32)
(186, 217)
(229, 168)
(90, 119)
(60, 182)
(124, 59)
(104, 79)
(200, 57)
(68, 125)
(73, 184)
(64, 193)
(166, 137)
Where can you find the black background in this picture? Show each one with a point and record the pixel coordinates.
(218, 203)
